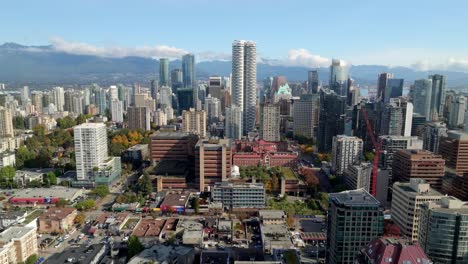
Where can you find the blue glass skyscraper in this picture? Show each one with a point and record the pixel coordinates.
(188, 70)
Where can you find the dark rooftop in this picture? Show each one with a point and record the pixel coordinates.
(82, 254)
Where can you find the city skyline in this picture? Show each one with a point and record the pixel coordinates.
(355, 33)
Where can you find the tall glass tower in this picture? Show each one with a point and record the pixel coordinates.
(188, 70)
(163, 72)
(244, 81)
(338, 77)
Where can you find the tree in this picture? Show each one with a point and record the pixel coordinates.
(51, 178)
(7, 172)
(19, 122)
(66, 122)
(134, 246)
(145, 186)
(39, 130)
(101, 191)
(171, 239)
(32, 259)
(86, 205)
(291, 221)
(80, 218)
(369, 156)
(61, 203)
(196, 204)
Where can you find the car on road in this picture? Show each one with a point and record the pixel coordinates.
(58, 244)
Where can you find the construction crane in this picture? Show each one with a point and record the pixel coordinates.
(377, 151)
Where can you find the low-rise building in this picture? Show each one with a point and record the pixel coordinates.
(275, 236)
(192, 232)
(272, 217)
(175, 202)
(233, 195)
(136, 154)
(392, 250)
(170, 175)
(57, 220)
(44, 196)
(7, 159)
(159, 254)
(8, 218)
(22, 240)
(91, 254)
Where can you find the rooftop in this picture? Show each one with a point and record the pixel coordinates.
(56, 214)
(90, 125)
(138, 147)
(14, 232)
(457, 135)
(394, 250)
(218, 257)
(175, 199)
(170, 135)
(358, 197)
(80, 254)
(226, 184)
(419, 187)
(56, 192)
(449, 205)
(214, 143)
(160, 254)
(272, 214)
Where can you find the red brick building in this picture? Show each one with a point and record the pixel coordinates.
(172, 146)
(212, 162)
(270, 154)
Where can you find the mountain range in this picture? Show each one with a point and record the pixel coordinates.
(42, 65)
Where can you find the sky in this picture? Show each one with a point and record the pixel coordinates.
(420, 34)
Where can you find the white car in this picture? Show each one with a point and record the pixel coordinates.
(125, 239)
(66, 237)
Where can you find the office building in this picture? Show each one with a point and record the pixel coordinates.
(154, 90)
(117, 111)
(212, 162)
(407, 199)
(188, 71)
(213, 108)
(17, 244)
(437, 96)
(36, 101)
(177, 146)
(346, 150)
(355, 218)
(144, 100)
(244, 81)
(457, 112)
(159, 117)
(25, 93)
(358, 176)
(138, 118)
(397, 117)
(58, 95)
(391, 144)
(113, 93)
(417, 125)
(382, 84)
(313, 81)
(6, 123)
(454, 149)
(239, 195)
(418, 164)
(331, 119)
(442, 230)
(306, 116)
(215, 85)
(176, 80)
(421, 97)
(163, 72)
(233, 122)
(186, 99)
(194, 122)
(432, 134)
(338, 77)
(165, 97)
(270, 123)
(393, 89)
(90, 148)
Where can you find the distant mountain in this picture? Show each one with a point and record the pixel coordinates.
(42, 65)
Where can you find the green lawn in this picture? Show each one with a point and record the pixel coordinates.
(33, 215)
(288, 173)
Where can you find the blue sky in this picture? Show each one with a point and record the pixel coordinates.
(422, 34)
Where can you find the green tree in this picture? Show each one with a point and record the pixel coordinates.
(32, 259)
(101, 191)
(51, 178)
(82, 118)
(86, 205)
(61, 203)
(107, 113)
(19, 122)
(80, 218)
(39, 130)
(66, 122)
(369, 156)
(196, 204)
(7, 172)
(134, 246)
(145, 186)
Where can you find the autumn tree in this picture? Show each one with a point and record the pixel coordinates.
(80, 218)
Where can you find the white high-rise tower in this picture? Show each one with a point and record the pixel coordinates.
(244, 81)
(90, 148)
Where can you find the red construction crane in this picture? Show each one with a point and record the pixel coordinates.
(377, 149)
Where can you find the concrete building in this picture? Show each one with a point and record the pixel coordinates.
(215, 85)
(391, 144)
(418, 164)
(454, 149)
(358, 176)
(90, 148)
(7, 159)
(270, 123)
(160, 254)
(239, 195)
(244, 81)
(442, 230)
(213, 160)
(58, 95)
(194, 122)
(213, 108)
(457, 112)
(355, 218)
(6, 123)
(159, 118)
(36, 101)
(172, 146)
(188, 71)
(407, 199)
(139, 118)
(117, 111)
(57, 220)
(393, 89)
(165, 97)
(92, 254)
(233, 122)
(20, 242)
(306, 115)
(397, 118)
(345, 151)
(433, 132)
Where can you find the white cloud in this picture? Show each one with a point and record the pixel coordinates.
(210, 56)
(159, 51)
(452, 64)
(303, 57)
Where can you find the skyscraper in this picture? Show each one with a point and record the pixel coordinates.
(391, 144)
(338, 77)
(90, 148)
(176, 80)
(354, 219)
(421, 97)
(194, 122)
(6, 123)
(437, 96)
(117, 111)
(397, 118)
(163, 72)
(457, 112)
(154, 89)
(113, 93)
(36, 100)
(139, 118)
(345, 151)
(306, 116)
(165, 97)
(454, 149)
(212, 162)
(59, 98)
(212, 107)
(313, 81)
(244, 78)
(186, 98)
(215, 86)
(331, 118)
(382, 84)
(233, 122)
(433, 132)
(393, 89)
(188, 71)
(270, 122)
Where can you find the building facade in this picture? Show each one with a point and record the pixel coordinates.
(90, 148)
(346, 150)
(139, 118)
(194, 122)
(212, 162)
(234, 195)
(270, 123)
(306, 116)
(454, 149)
(6, 123)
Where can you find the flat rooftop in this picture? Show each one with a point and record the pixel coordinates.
(14, 232)
(160, 254)
(81, 254)
(454, 134)
(175, 199)
(170, 135)
(56, 192)
(358, 197)
(272, 214)
(138, 147)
